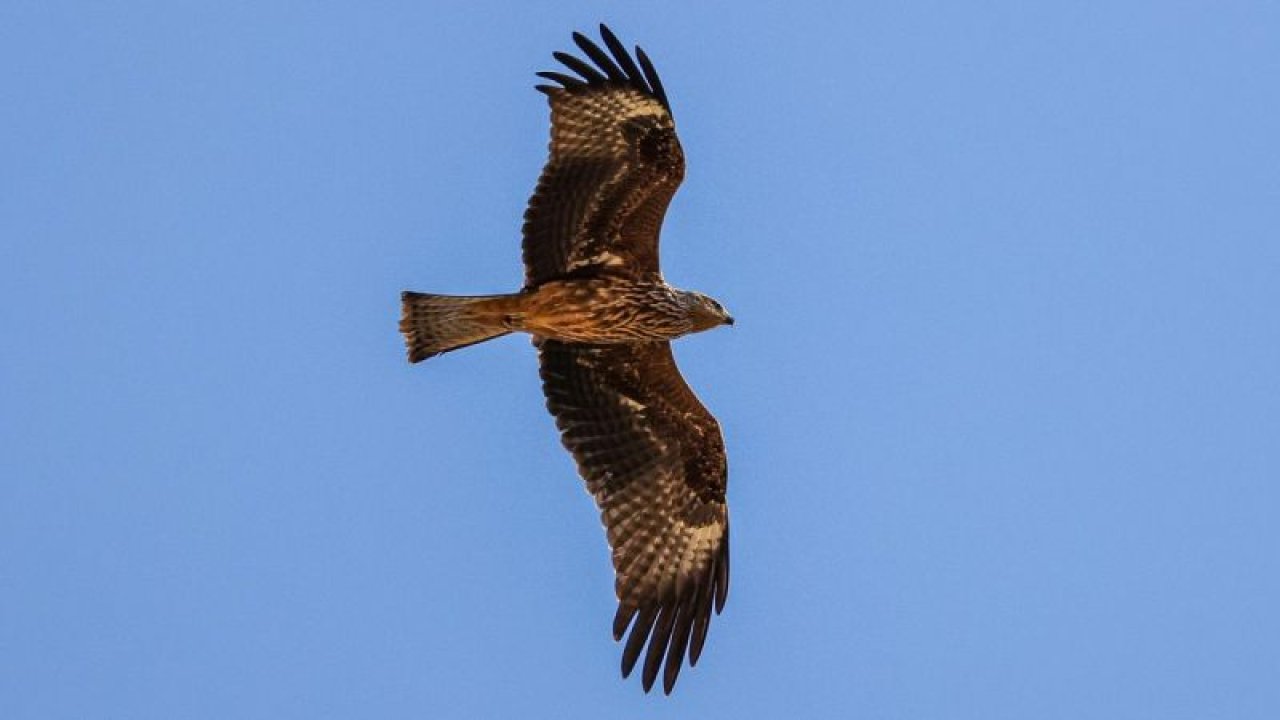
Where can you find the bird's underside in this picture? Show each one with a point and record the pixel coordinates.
(593, 307)
(602, 317)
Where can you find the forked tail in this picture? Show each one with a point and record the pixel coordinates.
(434, 324)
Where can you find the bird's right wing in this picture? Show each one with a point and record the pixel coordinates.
(654, 459)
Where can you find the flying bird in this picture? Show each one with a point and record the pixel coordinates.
(602, 318)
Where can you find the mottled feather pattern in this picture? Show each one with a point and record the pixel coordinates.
(636, 430)
(566, 190)
(615, 162)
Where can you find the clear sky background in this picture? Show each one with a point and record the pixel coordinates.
(1002, 403)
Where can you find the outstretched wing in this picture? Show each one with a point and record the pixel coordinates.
(615, 164)
(654, 459)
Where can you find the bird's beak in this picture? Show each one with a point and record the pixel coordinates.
(728, 320)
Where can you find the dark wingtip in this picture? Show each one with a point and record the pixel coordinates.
(701, 619)
(658, 642)
(650, 74)
(722, 573)
(582, 67)
(567, 82)
(679, 641)
(635, 642)
(621, 55)
(620, 68)
(600, 58)
(622, 619)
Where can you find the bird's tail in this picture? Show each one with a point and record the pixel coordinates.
(434, 324)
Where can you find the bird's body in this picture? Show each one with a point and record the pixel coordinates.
(602, 308)
(608, 308)
(602, 316)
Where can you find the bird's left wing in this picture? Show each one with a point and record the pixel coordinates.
(615, 163)
(654, 459)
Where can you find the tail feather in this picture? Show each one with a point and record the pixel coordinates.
(434, 324)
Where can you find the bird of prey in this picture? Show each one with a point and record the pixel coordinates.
(602, 318)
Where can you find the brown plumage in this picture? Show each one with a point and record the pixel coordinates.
(602, 317)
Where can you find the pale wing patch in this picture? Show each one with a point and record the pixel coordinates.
(608, 259)
(590, 125)
(632, 404)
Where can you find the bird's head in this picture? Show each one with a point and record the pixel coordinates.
(705, 312)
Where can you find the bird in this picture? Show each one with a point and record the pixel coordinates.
(602, 319)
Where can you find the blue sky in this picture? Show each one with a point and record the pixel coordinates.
(1002, 401)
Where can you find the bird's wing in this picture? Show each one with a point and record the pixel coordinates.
(615, 164)
(654, 459)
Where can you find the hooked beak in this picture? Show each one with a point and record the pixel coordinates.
(728, 320)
